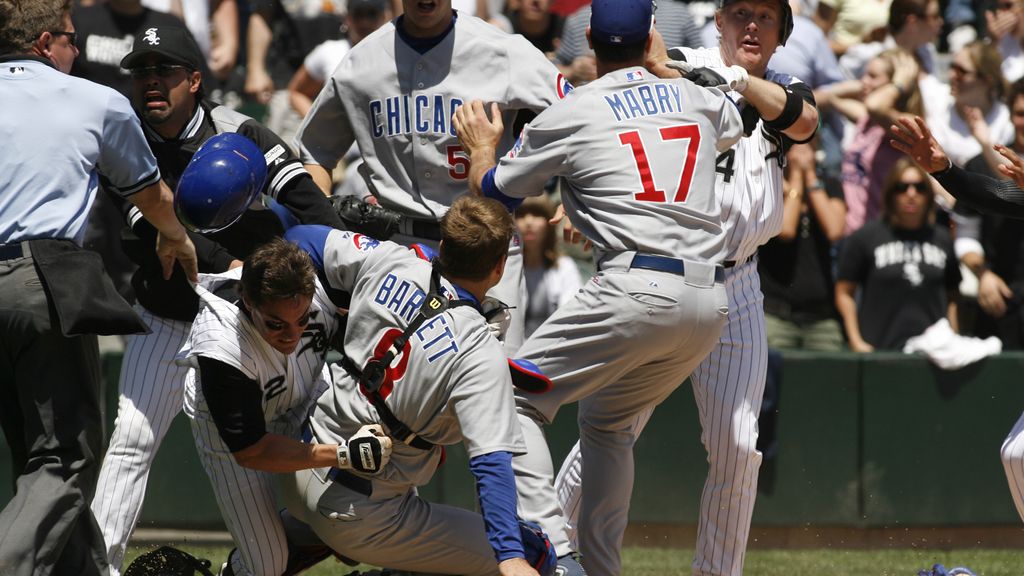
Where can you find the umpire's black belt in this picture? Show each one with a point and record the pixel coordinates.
(13, 251)
(670, 265)
(337, 475)
(424, 229)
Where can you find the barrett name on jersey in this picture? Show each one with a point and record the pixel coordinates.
(449, 384)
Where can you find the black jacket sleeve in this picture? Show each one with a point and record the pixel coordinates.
(288, 182)
(236, 403)
(982, 193)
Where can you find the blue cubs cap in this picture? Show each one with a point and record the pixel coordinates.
(621, 21)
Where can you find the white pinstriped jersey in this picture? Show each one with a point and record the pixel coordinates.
(749, 176)
(636, 152)
(397, 105)
(290, 383)
(451, 384)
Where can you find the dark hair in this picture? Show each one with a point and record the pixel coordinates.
(277, 270)
(900, 10)
(1016, 90)
(22, 21)
(475, 233)
(541, 206)
(619, 53)
(893, 178)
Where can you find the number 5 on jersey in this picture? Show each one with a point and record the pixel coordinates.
(685, 136)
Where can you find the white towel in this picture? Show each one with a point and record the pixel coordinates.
(949, 350)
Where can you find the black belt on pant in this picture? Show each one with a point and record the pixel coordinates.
(670, 265)
(733, 263)
(12, 251)
(339, 476)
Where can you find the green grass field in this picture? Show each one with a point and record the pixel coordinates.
(664, 562)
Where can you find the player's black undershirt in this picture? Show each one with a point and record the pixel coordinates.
(235, 402)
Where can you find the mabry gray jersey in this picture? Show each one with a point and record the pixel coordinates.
(638, 156)
(290, 383)
(397, 104)
(749, 176)
(450, 384)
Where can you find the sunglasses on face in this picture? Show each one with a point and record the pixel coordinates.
(72, 36)
(904, 186)
(960, 70)
(160, 70)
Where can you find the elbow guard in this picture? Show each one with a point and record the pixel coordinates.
(790, 112)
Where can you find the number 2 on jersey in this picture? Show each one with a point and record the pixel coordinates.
(650, 193)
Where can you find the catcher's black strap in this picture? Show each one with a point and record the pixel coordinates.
(168, 561)
(371, 376)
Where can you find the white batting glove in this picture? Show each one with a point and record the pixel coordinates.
(497, 315)
(368, 450)
(682, 65)
(725, 78)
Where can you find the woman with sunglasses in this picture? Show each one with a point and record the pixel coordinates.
(903, 265)
(971, 115)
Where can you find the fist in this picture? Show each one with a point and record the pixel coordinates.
(725, 79)
(368, 450)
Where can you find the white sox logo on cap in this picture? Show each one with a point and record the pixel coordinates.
(151, 37)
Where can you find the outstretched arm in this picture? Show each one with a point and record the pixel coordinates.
(912, 137)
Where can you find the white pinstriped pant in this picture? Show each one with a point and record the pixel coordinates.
(728, 387)
(1012, 455)
(151, 388)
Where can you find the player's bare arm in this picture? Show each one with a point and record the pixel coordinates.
(771, 100)
(516, 567)
(479, 136)
(367, 451)
(321, 176)
(173, 243)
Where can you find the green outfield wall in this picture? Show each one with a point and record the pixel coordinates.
(878, 440)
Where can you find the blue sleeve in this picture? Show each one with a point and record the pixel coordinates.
(496, 490)
(490, 190)
(312, 238)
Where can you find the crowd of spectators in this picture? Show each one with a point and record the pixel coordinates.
(869, 63)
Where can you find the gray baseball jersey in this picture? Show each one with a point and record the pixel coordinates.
(728, 385)
(749, 176)
(637, 153)
(290, 384)
(452, 382)
(397, 104)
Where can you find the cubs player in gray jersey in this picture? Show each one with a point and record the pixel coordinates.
(256, 367)
(394, 95)
(445, 379)
(637, 154)
(729, 384)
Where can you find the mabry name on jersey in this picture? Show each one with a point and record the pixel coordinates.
(645, 100)
(420, 114)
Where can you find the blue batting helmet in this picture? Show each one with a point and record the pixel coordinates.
(223, 178)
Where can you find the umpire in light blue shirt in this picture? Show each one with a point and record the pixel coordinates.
(61, 136)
